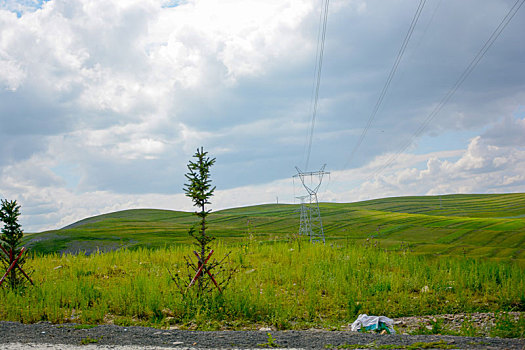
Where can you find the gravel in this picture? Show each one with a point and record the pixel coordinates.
(15, 335)
(482, 322)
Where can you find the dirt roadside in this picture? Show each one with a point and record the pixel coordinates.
(12, 333)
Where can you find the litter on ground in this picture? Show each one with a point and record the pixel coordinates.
(373, 323)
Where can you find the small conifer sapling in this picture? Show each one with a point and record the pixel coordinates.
(200, 190)
(207, 272)
(11, 242)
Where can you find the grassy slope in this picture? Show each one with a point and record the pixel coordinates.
(475, 225)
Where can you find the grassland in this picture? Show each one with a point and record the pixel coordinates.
(277, 284)
(396, 257)
(487, 226)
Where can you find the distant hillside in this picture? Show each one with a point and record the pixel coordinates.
(490, 226)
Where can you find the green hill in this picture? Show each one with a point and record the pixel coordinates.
(491, 226)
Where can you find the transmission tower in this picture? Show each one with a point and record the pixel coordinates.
(304, 225)
(310, 220)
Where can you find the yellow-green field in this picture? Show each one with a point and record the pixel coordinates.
(486, 226)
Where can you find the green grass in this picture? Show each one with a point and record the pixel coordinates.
(468, 251)
(482, 226)
(505, 327)
(270, 343)
(88, 340)
(277, 284)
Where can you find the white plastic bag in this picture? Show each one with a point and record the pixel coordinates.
(373, 323)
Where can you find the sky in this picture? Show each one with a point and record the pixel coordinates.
(103, 103)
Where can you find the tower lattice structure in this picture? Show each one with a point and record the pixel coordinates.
(311, 223)
(304, 221)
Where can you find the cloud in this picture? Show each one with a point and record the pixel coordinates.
(111, 99)
(508, 132)
(485, 166)
(104, 64)
(488, 165)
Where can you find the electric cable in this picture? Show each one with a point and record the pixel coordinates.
(317, 79)
(388, 81)
(312, 95)
(468, 70)
(431, 20)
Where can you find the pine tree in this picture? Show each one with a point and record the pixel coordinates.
(200, 190)
(208, 272)
(11, 240)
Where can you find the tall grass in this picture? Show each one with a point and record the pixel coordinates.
(277, 284)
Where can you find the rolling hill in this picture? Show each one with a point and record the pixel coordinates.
(491, 226)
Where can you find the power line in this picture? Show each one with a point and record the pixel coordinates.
(472, 65)
(319, 65)
(388, 80)
(312, 95)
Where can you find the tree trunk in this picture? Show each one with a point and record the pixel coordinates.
(13, 277)
(203, 248)
(12, 281)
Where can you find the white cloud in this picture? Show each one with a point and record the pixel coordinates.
(47, 204)
(11, 75)
(111, 99)
(486, 166)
